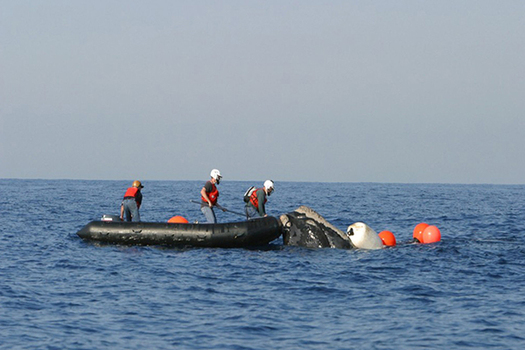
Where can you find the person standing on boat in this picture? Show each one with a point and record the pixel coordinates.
(131, 202)
(256, 205)
(210, 195)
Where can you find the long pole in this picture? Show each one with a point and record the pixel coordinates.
(221, 207)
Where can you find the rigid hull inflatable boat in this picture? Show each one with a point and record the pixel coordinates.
(255, 232)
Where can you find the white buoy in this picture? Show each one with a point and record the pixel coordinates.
(364, 237)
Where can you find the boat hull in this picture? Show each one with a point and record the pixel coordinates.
(256, 232)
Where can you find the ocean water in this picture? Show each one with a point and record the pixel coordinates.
(465, 292)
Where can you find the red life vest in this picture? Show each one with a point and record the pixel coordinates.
(213, 195)
(255, 200)
(131, 192)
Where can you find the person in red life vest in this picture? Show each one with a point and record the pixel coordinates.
(256, 205)
(131, 202)
(210, 195)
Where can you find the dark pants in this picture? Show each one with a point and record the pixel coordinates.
(209, 214)
(131, 211)
(251, 212)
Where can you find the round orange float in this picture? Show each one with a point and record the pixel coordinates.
(418, 231)
(431, 235)
(388, 238)
(178, 220)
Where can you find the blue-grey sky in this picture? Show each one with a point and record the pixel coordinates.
(350, 91)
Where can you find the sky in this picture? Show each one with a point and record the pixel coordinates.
(330, 91)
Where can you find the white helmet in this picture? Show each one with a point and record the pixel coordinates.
(268, 184)
(215, 174)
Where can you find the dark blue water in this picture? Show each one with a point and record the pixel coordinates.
(467, 291)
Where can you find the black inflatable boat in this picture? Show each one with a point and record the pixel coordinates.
(249, 233)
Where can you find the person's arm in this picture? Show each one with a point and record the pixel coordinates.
(121, 211)
(260, 198)
(138, 199)
(205, 196)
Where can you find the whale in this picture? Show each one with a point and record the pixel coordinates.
(363, 236)
(304, 227)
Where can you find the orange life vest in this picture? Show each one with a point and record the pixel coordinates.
(254, 200)
(131, 192)
(213, 195)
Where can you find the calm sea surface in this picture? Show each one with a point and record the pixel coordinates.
(467, 291)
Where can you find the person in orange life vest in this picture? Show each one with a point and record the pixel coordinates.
(210, 195)
(256, 205)
(131, 202)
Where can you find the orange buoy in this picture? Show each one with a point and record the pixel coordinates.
(178, 220)
(388, 238)
(418, 231)
(431, 235)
